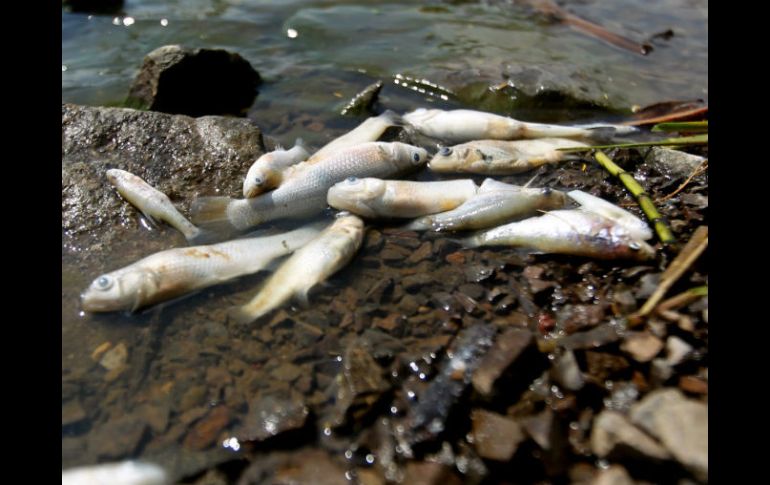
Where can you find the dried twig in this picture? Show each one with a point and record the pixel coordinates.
(702, 166)
(689, 254)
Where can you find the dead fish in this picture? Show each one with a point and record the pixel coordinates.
(304, 193)
(153, 203)
(575, 232)
(494, 204)
(175, 272)
(369, 130)
(122, 473)
(267, 172)
(495, 157)
(590, 203)
(463, 125)
(315, 262)
(372, 197)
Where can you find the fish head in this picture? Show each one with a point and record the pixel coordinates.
(119, 290)
(356, 195)
(350, 225)
(551, 198)
(407, 156)
(452, 158)
(114, 175)
(256, 182)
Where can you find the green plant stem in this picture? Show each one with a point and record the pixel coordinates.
(645, 202)
(686, 126)
(683, 140)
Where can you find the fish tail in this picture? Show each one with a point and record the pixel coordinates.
(421, 224)
(241, 315)
(210, 214)
(472, 241)
(393, 118)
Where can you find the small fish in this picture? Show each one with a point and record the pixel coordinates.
(153, 203)
(122, 473)
(494, 204)
(175, 272)
(314, 263)
(304, 193)
(267, 172)
(372, 197)
(495, 157)
(575, 232)
(371, 129)
(590, 203)
(463, 125)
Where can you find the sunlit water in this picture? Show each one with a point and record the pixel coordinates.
(313, 57)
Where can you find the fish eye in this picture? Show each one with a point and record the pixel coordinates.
(104, 282)
(351, 180)
(546, 191)
(416, 157)
(258, 180)
(445, 151)
(635, 246)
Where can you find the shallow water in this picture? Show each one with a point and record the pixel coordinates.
(177, 353)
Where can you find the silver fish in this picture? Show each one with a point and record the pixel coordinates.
(122, 473)
(575, 232)
(495, 203)
(372, 197)
(590, 203)
(267, 172)
(153, 203)
(495, 157)
(462, 125)
(369, 130)
(175, 272)
(314, 263)
(304, 194)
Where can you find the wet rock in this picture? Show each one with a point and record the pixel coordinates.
(156, 414)
(614, 475)
(194, 396)
(540, 428)
(390, 323)
(475, 273)
(286, 372)
(302, 467)
(181, 156)
(603, 365)
(212, 477)
(430, 473)
(573, 318)
(472, 290)
(363, 102)
(622, 397)
(613, 436)
(358, 387)
(681, 424)
(94, 6)
(379, 289)
(427, 418)
(534, 275)
(455, 258)
(660, 371)
(207, 430)
(421, 253)
(675, 163)
(567, 373)
(642, 346)
(72, 412)
(414, 282)
(596, 337)
(393, 253)
(115, 358)
(117, 438)
(676, 350)
(507, 349)
(273, 414)
(368, 476)
(693, 384)
(495, 437)
(194, 82)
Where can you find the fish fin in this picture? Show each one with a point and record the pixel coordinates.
(299, 142)
(240, 316)
(302, 299)
(204, 237)
(393, 118)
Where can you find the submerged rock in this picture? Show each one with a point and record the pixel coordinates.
(194, 82)
(676, 163)
(272, 415)
(509, 347)
(182, 157)
(428, 417)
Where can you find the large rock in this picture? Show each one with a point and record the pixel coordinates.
(195, 82)
(181, 156)
(613, 436)
(94, 6)
(681, 424)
